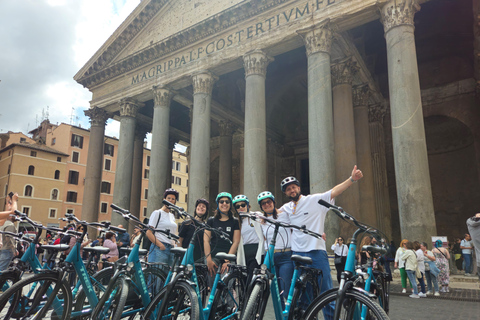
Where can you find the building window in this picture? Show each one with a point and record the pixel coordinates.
(108, 164)
(73, 177)
(28, 191)
(57, 174)
(187, 182)
(105, 187)
(144, 211)
(148, 161)
(53, 141)
(26, 210)
(186, 168)
(178, 181)
(6, 189)
(186, 198)
(173, 165)
(77, 141)
(71, 196)
(178, 166)
(70, 211)
(146, 194)
(33, 153)
(108, 149)
(75, 156)
(173, 179)
(52, 214)
(23, 140)
(8, 170)
(103, 207)
(146, 174)
(59, 159)
(31, 170)
(54, 194)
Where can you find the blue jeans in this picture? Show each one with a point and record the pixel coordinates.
(422, 284)
(468, 262)
(431, 278)
(411, 276)
(320, 261)
(284, 269)
(160, 256)
(6, 256)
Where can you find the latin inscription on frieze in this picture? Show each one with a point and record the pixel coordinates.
(234, 38)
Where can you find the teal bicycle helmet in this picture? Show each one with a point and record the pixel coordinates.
(241, 198)
(223, 195)
(265, 195)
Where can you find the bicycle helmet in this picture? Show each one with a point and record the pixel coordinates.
(288, 180)
(223, 195)
(170, 191)
(204, 201)
(265, 195)
(241, 198)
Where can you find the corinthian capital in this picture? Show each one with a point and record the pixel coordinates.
(225, 127)
(361, 94)
(98, 116)
(398, 12)
(203, 82)
(376, 113)
(129, 107)
(343, 71)
(162, 96)
(317, 39)
(256, 62)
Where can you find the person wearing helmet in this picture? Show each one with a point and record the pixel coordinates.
(225, 220)
(284, 266)
(165, 220)
(187, 229)
(305, 211)
(250, 249)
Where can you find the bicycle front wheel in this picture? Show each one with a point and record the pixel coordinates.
(255, 306)
(306, 290)
(353, 306)
(112, 303)
(229, 297)
(180, 303)
(40, 294)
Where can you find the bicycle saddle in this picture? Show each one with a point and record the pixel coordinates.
(374, 249)
(301, 259)
(56, 247)
(101, 250)
(225, 256)
(126, 251)
(178, 251)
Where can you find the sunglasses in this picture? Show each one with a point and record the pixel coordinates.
(238, 206)
(224, 202)
(268, 201)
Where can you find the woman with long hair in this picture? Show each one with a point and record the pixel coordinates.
(441, 260)
(224, 219)
(400, 264)
(341, 250)
(187, 229)
(284, 266)
(411, 264)
(363, 256)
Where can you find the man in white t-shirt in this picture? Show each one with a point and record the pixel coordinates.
(466, 246)
(305, 211)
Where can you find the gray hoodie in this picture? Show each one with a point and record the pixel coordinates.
(474, 230)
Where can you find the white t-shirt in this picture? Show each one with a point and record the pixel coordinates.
(249, 234)
(307, 212)
(466, 243)
(340, 250)
(421, 260)
(284, 235)
(167, 222)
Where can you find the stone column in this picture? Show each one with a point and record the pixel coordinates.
(137, 173)
(321, 149)
(255, 137)
(199, 171)
(225, 166)
(376, 114)
(160, 156)
(172, 140)
(123, 171)
(344, 132)
(368, 210)
(414, 192)
(93, 173)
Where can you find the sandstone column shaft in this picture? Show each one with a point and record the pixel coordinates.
(93, 173)
(415, 203)
(255, 137)
(123, 171)
(137, 174)
(364, 155)
(199, 171)
(159, 155)
(321, 149)
(225, 165)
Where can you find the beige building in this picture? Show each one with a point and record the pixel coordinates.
(50, 179)
(260, 90)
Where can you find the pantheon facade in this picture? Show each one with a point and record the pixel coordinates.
(263, 89)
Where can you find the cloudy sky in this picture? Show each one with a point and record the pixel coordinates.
(43, 44)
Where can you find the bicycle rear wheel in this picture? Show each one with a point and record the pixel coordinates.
(100, 282)
(181, 303)
(39, 295)
(113, 301)
(229, 297)
(306, 290)
(351, 308)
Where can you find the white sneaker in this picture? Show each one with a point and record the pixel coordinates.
(404, 290)
(437, 294)
(429, 293)
(415, 296)
(422, 295)
(447, 290)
